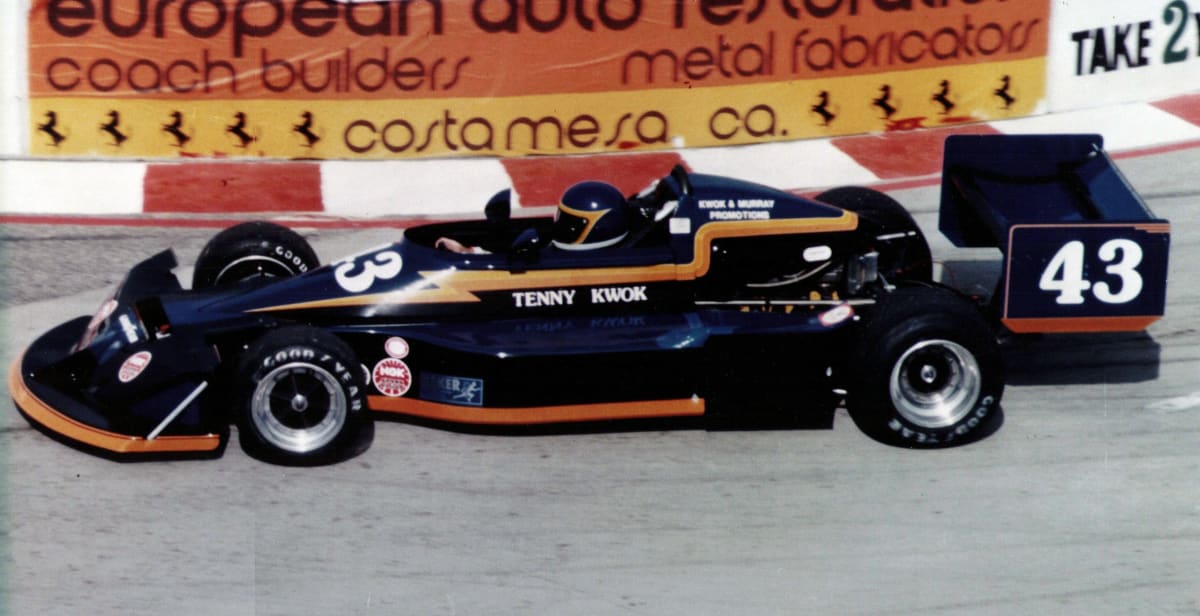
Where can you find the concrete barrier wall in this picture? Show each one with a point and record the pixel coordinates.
(389, 79)
(1128, 70)
(14, 78)
(794, 72)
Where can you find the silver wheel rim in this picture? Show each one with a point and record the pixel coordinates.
(254, 266)
(935, 383)
(298, 407)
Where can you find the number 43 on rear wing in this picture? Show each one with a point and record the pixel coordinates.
(1082, 252)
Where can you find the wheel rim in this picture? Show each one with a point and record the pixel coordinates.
(251, 267)
(298, 407)
(935, 383)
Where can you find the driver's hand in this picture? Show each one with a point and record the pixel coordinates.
(452, 245)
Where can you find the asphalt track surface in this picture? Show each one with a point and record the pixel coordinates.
(1085, 501)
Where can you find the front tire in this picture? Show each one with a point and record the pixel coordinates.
(927, 370)
(301, 398)
(252, 250)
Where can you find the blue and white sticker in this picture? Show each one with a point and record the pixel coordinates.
(446, 389)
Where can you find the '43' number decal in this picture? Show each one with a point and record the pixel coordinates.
(358, 274)
(1065, 273)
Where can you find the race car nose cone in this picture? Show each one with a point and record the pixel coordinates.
(299, 403)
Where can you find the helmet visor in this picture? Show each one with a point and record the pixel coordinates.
(569, 228)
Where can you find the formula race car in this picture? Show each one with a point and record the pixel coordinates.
(700, 297)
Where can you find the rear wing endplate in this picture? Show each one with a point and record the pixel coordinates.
(1082, 252)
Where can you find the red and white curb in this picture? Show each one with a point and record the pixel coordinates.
(451, 187)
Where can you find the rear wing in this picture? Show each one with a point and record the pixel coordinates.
(1082, 252)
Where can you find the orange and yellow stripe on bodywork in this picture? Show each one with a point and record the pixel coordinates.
(511, 416)
(453, 285)
(1078, 325)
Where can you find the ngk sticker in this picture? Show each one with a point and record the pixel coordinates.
(134, 366)
(392, 377)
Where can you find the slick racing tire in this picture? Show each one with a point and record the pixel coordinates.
(927, 371)
(903, 252)
(301, 398)
(252, 250)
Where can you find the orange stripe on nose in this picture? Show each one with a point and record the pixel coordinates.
(56, 422)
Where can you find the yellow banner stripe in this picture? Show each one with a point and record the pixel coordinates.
(550, 124)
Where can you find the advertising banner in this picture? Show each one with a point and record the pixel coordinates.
(1115, 51)
(408, 78)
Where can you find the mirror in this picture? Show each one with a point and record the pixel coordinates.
(525, 248)
(499, 208)
(681, 175)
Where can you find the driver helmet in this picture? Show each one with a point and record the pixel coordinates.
(591, 215)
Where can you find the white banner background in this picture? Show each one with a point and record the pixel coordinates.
(1130, 59)
(14, 80)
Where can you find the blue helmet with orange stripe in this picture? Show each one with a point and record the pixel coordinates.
(590, 215)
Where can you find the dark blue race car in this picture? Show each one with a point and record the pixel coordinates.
(700, 297)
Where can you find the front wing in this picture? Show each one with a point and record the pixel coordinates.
(43, 392)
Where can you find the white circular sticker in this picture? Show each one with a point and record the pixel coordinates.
(396, 347)
(133, 366)
(392, 377)
(836, 315)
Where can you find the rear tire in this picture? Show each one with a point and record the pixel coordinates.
(904, 254)
(252, 250)
(927, 371)
(301, 398)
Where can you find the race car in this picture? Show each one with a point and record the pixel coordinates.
(700, 297)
